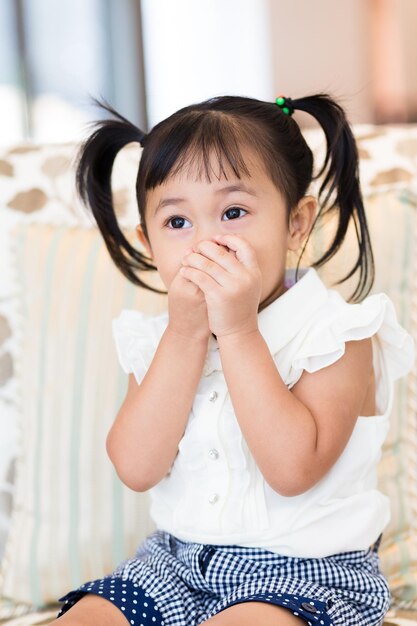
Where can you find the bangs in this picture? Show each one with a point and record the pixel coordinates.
(190, 145)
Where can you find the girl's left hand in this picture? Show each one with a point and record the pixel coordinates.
(230, 282)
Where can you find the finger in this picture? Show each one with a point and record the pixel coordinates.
(187, 282)
(219, 254)
(199, 278)
(200, 262)
(244, 251)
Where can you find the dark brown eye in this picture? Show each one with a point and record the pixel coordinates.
(176, 222)
(233, 213)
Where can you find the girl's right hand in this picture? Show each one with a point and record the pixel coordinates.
(187, 309)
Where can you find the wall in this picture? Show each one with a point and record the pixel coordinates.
(194, 50)
(323, 45)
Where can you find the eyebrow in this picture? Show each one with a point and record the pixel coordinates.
(222, 190)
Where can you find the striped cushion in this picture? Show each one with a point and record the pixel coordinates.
(73, 520)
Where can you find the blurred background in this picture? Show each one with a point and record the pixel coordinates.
(150, 57)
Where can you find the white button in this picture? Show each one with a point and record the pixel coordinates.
(213, 498)
(213, 454)
(213, 396)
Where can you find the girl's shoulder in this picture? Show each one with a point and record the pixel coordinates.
(336, 321)
(136, 335)
(307, 328)
(137, 321)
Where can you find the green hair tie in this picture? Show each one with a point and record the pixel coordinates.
(285, 104)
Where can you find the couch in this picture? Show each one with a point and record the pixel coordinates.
(65, 517)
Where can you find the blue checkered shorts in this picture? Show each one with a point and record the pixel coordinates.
(175, 583)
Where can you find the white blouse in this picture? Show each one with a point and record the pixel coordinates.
(214, 492)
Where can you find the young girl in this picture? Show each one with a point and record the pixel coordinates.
(257, 405)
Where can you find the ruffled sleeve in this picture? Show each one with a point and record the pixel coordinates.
(136, 336)
(374, 316)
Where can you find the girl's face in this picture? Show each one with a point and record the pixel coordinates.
(183, 211)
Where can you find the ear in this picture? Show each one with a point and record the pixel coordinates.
(143, 240)
(301, 220)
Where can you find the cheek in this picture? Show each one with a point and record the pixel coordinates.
(166, 272)
(168, 263)
(272, 250)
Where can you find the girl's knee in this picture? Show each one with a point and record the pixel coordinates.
(91, 610)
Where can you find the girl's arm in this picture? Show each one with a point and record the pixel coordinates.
(294, 435)
(143, 441)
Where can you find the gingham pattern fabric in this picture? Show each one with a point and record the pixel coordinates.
(174, 583)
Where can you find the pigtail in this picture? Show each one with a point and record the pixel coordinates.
(94, 164)
(342, 187)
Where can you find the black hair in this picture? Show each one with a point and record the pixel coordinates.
(225, 124)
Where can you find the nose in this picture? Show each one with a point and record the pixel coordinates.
(209, 237)
(206, 234)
